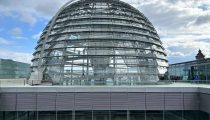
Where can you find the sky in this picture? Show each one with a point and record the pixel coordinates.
(183, 26)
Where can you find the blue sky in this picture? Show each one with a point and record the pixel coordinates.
(183, 25)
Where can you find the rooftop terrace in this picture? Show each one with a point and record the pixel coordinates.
(20, 85)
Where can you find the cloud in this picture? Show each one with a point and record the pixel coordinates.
(30, 11)
(4, 41)
(28, 18)
(168, 16)
(185, 47)
(203, 19)
(17, 56)
(17, 34)
(37, 36)
(182, 24)
(16, 31)
(204, 7)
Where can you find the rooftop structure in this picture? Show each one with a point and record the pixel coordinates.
(104, 49)
(198, 69)
(10, 69)
(200, 55)
(98, 42)
(177, 101)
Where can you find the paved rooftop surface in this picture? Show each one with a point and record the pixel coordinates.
(174, 87)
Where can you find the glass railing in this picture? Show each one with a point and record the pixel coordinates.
(13, 82)
(191, 81)
(24, 82)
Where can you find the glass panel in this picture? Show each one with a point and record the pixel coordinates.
(118, 115)
(191, 115)
(101, 115)
(1, 115)
(204, 116)
(173, 115)
(155, 115)
(137, 115)
(10, 115)
(64, 115)
(23, 116)
(27, 115)
(83, 115)
(47, 115)
(32, 115)
(195, 115)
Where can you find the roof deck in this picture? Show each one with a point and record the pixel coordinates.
(20, 85)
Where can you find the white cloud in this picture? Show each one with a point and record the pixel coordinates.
(182, 24)
(37, 36)
(186, 46)
(28, 18)
(4, 41)
(16, 31)
(17, 34)
(203, 19)
(30, 11)
(17, 56)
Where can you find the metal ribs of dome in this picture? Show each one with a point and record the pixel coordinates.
(98, 42)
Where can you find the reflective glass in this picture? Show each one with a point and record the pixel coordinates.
(137, 115)
(47, 115)
(64, 115)
(83, 115)
(118, 115)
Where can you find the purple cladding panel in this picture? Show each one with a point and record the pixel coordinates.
(119, 101)
(174, 101)
(26, 102)
(46, 101)
(43, 101)
(65, 101)
(101, 101)
(205, 102)
(8, 101)
(154, 101)
(136, 101)
(83, 101)
(191, 101)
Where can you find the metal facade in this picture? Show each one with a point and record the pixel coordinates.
(102, 101)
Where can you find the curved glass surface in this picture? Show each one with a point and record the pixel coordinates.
(99, 42)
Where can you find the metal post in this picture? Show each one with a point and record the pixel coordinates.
(73, 115)
(128, 115)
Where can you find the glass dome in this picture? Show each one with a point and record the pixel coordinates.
(98, 42)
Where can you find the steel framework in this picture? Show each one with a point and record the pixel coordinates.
(98, 42)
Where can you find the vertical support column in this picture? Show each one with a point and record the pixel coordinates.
(164, 105)
(73, 115)
(110, 117)
(37, 113)
(128, 115)
(183, 106)
(114, 65)
(62, 65)
(17, 115)
(56, 115)
(206, 73)
(73, 111)
(92, 114)
(145, 114)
